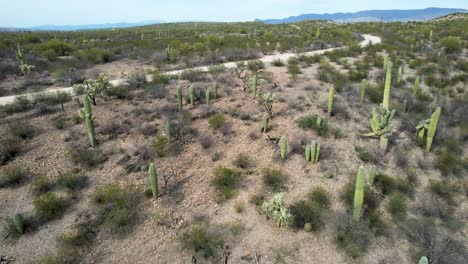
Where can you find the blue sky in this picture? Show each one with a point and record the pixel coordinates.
(16, 13)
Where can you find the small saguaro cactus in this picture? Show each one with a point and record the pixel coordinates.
(283, 147)
(363, 89)
(423, 259)
(331, 96)
(313, 151)
(215, 90)
(88, 116)
(179, 98)
(317, 33)
(18, 221)
(430, 35)
(359, 194)
(385, 63)
(416, 86)
(372, 174)
(191, 97)
(427, 129)
(266, 118)
(254, 86)
(388, 82)
(380, 125)
(153, 177)
(207, 97)
(400, 74)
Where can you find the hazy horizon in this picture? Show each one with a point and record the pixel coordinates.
(29, 13)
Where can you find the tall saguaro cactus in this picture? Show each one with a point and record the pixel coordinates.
(179, 98)
(88, 116)
(153, 180)
(388, 82)
(359, 194)
(331, 97)
(416, 86)
(313, 151)
(254, 85)
(385, 63)
(363, 89)
(283, 147)
(191, 97)
(427, 129)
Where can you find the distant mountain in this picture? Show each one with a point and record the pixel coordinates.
(88, 27)
(372, 16)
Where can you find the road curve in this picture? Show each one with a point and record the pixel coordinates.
(368, 39)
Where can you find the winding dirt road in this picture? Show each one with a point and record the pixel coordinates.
(368, 39)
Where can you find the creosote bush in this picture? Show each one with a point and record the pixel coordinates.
(274, 179)
(9, 148)
(216, 121)
(23, 130)
(202, 238)
(86, 157)
(243, 161)
(226, 181)
(313, 122)
(309, 213)
(13, 175)
(50, 206)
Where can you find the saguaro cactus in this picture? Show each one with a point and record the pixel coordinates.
(18, 221)
(88, 116)
(179, 97)
(191, 97)
(207, 97)
(416, 86)
(153, 180)
(317, 33)
(430, 35)
(266, 118)
(372, 174)
(215, 90)
(380, 125)
(427, 129)
(423, 259)
(314, 149)
(388, 82)
(254, 86)
(359, 194)
(363, 89)
(400, 74)
(168, 131)
(283, 147)
(331, 96)
(385, 63)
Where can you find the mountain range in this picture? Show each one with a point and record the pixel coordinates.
(372, 16)
(85, 27)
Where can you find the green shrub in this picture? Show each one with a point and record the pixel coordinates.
(86, 157)
(41, 185)
(273, 179)
(451, 44)
(59, 121)
(226, 181)
(311, 211)
(310, 122)
(364, 154)
(216, 121)
(13, 175)
(277, 63)
(352, 237)
(203, 239)
(72, 180)
(243, 161)
(375, 92)
(22, 129)
(444, 189)
(161, 146)
(94, 55)
(257, 200)
(9, 148)
(117, 206)
(49, 206)
(397, 206)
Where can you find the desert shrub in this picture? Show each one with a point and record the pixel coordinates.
(257, 200)
(444, 189)
(216, 121)
(86, 157)
(9, 148)
(60, 48)
(23, 130)
(118, 91)
(202, 238)
(243, 161)
(311, 210)
(352, 237)
(148, 129)
(72, 180)
(449, 160)
(293, 70)
(19, 105)
(277, 63)
(114, 128)
(161, 146)
(206, 141)
(41, 184)
(226, 181)
(13, 175)
(387, 184)
(451, 44)
(118, 206)
(397, 206)
(50, 206)
(364, 154)
(276, 209)
(375, 92)
(428, 240)
(310, 122)
(273, 179)
(94, 55)
(59, 121)
(193, 75)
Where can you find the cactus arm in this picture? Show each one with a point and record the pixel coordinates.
(317, 153)
(372, 174)
(388, 82)
(432, 128)
(363, 89)
(383, 142)
(283, 147)
(359, 194)
(308, 153)
(153, 180)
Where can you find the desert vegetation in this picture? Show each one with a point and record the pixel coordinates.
(357, 155)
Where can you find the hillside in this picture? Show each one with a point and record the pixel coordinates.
(371, 16)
